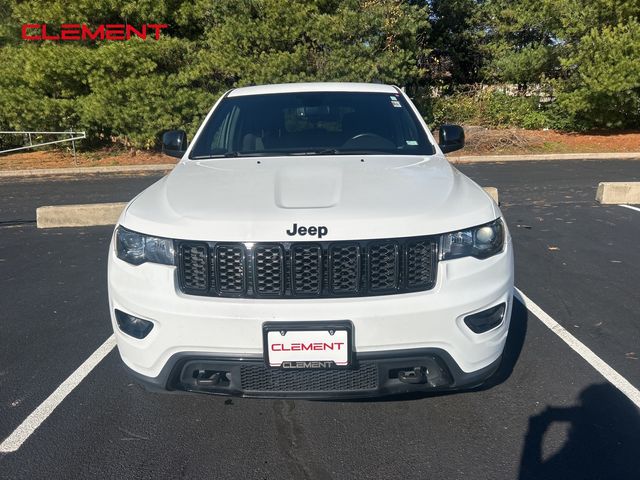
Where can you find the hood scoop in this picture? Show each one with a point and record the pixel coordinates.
(308, 187)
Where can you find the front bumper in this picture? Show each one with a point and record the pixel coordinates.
(374, 374)
(223, 330)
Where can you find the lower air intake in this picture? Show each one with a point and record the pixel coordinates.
(259, 378)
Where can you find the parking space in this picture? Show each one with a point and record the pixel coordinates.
(54, 311)
(576, 258)
(588, 277)
(548, 414)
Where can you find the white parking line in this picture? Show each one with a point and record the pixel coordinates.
(40, 414)
(631, 207)
(581, 349)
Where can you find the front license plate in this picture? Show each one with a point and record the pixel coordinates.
(307, 348)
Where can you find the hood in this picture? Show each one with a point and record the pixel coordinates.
(352, 197)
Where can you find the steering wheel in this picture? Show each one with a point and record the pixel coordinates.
(369, 140)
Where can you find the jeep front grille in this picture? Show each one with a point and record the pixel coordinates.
(307, 270)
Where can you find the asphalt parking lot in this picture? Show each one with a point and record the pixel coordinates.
(548, 414)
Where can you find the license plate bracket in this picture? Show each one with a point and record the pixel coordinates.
(308, 345)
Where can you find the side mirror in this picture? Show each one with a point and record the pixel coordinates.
(174, 143)
(451, 138)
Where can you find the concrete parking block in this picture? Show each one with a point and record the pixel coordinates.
(78, 215)
(618, 192)
(493, 193)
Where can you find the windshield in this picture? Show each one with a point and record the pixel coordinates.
(314, 123)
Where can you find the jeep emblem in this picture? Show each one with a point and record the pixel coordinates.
(319, 231)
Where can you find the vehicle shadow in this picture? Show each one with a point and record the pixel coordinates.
(512, 350)
(603, 439)
(513, 347)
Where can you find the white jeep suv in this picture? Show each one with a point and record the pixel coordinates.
(312, 242)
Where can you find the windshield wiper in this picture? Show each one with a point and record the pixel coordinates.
(337, 151)
(226, 155)
(234, 154)
(326, 151)
(273, 153)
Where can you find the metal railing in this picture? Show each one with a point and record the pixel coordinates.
(29, 136)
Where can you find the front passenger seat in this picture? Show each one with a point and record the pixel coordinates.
(252, 143)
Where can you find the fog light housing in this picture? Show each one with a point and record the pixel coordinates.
(487, 319)
(133, 326)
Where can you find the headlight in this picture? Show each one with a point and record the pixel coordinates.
(480, 242)
(135, 248)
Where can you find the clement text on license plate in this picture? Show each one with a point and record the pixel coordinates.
(304, 348)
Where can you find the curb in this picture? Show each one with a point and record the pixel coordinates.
(164, 168)
(618, 193)
(544, 157)
(94, 214)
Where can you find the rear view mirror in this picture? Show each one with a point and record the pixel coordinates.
(174, 143)
(451, 138)
(313, 111)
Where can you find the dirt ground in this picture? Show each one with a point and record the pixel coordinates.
(61, 159)
(483, 141)
(480, 141)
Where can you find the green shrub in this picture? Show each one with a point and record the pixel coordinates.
(606, 93)
(489, 109)
(504, 110)
(459, 108)
(128, 92)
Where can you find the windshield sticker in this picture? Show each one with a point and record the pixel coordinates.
(412, 142)
(395, 102)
